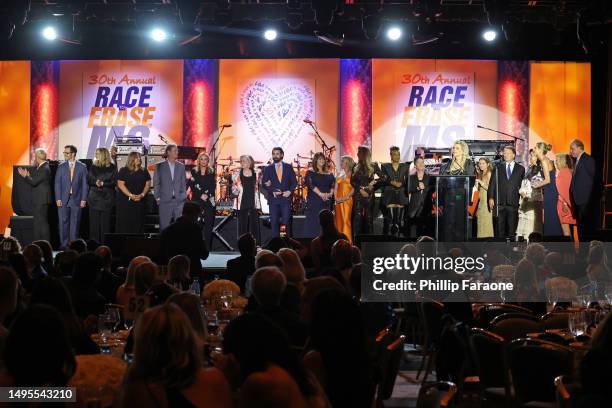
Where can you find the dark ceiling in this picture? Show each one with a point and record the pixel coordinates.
(529, 29)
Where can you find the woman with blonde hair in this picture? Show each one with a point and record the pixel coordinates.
(454, 197)
(563, 164)
(203, 186)
(169, 371)
(343, 192)
(133, 183)
(245, 186)
(552, 225)
(530, 202)
(128, 288)
(293, 269)
(102, 179)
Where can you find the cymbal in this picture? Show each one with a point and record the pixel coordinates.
(257, 162)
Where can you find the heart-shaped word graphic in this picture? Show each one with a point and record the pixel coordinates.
(274, 111)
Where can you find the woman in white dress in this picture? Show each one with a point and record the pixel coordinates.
(530, 216)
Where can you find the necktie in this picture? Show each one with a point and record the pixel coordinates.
(279, 172)
(508, 171)
(71, 175)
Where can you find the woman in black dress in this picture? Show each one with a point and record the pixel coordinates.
(394, 194)
(245, 186)
(364, 182)
(203, 185)
(133, 183)
(102, 179)
(418, 190)
(455, 199)
(320, 185)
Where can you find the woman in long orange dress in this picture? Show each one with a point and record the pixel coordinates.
(344, 197)
(564, 203)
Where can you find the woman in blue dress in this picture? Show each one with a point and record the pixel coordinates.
(320, 185)
(552, 225)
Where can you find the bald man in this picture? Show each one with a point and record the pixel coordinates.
(40, 180)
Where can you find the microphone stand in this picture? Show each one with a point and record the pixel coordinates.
(213, 149)
(327, 151)
(500, 132)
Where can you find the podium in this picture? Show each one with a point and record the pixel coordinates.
(453, 194)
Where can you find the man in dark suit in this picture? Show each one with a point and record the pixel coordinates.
(240, 268)
(40, 180)
(70, 195)
(279, 182)
(582, 189)
(504, 192)
(184, 237)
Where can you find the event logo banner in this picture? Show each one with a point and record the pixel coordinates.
(434, 110)
(272, 113)
(121, 104)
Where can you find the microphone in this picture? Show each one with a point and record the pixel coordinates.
(480, 127)
(308, 121)
(226, 125)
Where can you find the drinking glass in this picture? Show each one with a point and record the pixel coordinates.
(552, 296)
(577, 323)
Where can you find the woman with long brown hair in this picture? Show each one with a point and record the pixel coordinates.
(320, 183)
(203, 186)
(484, 214)
(102, 179)
(133, 183)
(366, 178)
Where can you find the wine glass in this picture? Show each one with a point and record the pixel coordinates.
(577, 323)
(552, 296)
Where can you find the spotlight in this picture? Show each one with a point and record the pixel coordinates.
(158, 35)
(270, 35)
(394, 33)
(49, 33)
(489, 35)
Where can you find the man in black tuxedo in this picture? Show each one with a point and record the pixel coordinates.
(504, 192)
(40, 180)
(582, 189)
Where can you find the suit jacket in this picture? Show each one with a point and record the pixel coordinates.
(238, 269)
(288, 183)
(581, 187)
(164, 184)
(419, 200)
(40, 180)
(508, 193)
(79, 182)
(184, 237)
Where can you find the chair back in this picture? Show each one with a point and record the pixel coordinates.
(488, 312)
(437, 395)
(391, 359)
(568, 391)
(516, 325)
(489, 351)
(556, 320)
(534, 365)
(430, 313)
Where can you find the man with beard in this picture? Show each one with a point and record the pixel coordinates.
(279, 181)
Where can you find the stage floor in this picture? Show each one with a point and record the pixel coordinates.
(218, 259)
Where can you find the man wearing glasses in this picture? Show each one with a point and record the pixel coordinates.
(70, 195)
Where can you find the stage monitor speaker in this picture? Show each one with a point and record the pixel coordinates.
(152, 161)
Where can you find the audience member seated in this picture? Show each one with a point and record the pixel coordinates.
(92, 245)
(312, 287)
(356, 255)
(10, 246)
(264, 368)
(265, 257)
(178, 272)
(38, 352)
(536, 253)
(268, 285)
(34, 258)
(184, 237)
(553, 265)
(597, 268)
(526, 288)
(64, 263)
(147, 281)
(320, 247)
(9, 286)
(342, 256)
(52, 292)
(126, 290)
(595, 373)
(376, 315)
(85, 298)
(339, 356)
(47, 251)
(535, 237)
(108, 283)
(292, 267)
(275, 244)
(242, 267)
(168, 372)
(78, 245)
(190, 304)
